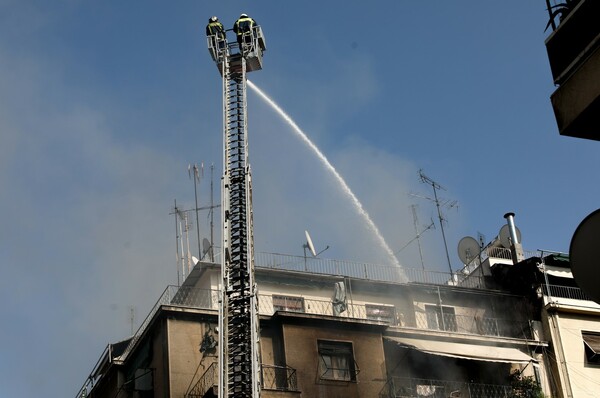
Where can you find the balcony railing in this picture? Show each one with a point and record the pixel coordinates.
(404, 387)
(567, 292)
(279, 378)
(472, 324)
(358, 270)
(208, 380)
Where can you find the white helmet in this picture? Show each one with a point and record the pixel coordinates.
(244, 16)
(213, 19)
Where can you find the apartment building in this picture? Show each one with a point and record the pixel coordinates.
(339, 329)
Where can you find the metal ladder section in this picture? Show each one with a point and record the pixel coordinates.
(238, 335)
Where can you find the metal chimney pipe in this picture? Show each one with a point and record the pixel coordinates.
(516, 250)
(510, 219)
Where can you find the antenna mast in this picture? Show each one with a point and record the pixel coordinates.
(212, 214)
(436, 187)
(416, 223)
(196, 176)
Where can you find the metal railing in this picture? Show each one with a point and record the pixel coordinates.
(280, 378)
(183, 296)
(208, 380)
(405, 387)
(471, 324)
(558, 11)
(358, 270)
(567, 292)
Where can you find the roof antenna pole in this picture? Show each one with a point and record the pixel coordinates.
(196, 176)
(416, 222)
(177, 243)
(212, 213)
(435, 187)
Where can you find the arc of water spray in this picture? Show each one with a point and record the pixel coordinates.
(329, 166)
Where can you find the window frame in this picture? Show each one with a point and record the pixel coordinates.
(591, 347)
(336, 361)
(371, 309)
(445, 317)
(286, 301)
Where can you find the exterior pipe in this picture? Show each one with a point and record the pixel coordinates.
(510, 219)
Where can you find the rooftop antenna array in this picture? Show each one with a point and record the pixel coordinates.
(196, 173)
(439, 204)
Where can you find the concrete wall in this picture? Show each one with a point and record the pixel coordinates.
(184, 338)
(300, 341)
(576, 374)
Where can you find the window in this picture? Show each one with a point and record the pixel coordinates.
(288, 303)
(336, 361)
(591, 343)
(381, 313)
(441, 318)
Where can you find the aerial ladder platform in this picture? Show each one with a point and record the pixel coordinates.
(239, 359)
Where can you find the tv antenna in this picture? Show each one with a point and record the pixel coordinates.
(418, 236)
(194, 170)
(197, 173)
(311, 247)
(439, 204)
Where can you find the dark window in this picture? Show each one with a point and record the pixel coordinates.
(336, 361)
(441, 318)
(381, 313)
(288, 303)
(591, 343)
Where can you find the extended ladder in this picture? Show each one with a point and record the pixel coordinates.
(239, 359)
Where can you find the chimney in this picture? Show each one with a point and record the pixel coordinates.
(516, 250)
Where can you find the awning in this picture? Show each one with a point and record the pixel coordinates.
(559, 272)
(592, 346)
(464, 351)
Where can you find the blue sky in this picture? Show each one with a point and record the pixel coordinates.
(104, 104)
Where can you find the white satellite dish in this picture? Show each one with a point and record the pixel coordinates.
(206, 246)
(583, 255)
(309, 244)
(504, 236)
(468, 249)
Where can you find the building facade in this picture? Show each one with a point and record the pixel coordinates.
(340, 329)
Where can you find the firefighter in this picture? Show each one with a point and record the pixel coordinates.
(215, 28)
(216, 32)
(243, 25)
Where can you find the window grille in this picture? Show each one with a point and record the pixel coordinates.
(336, 361)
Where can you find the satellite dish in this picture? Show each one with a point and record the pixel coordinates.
(583, 255)
(309, 244)
(205, 246)
(504, 236)
(468, 249)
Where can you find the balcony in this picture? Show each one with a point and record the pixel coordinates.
(574, 53)
(274, 378)
(404, 387)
